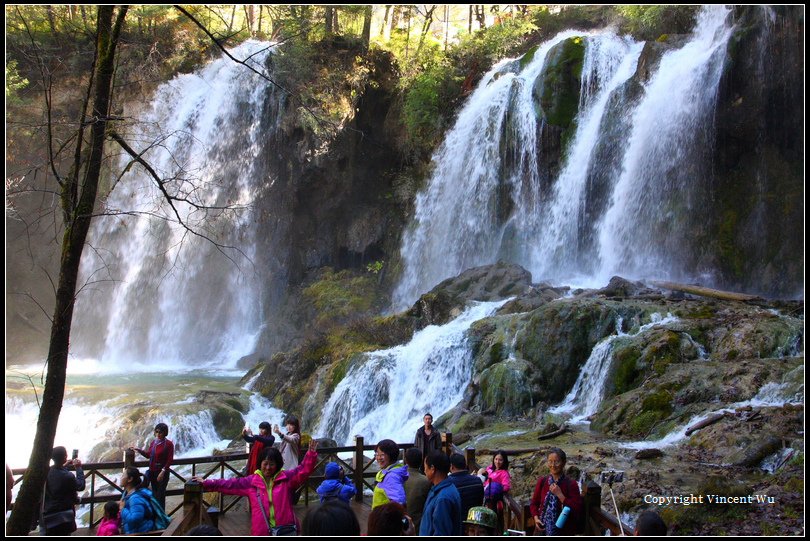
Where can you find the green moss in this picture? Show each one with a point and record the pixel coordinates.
(660, 401)
(627, 373)
(795, 484)
(527, 58)
(336, 296)
(504, 388)
(227, 421)
(559, 100)
(731, 257)
(496, 353)
(643, 423)
(703, 311)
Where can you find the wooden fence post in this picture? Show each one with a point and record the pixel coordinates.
(192, 505)
(472, 465)
(358, 468)
(129, 458)
(592, 496)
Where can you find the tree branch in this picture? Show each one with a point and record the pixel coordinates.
(170, 200)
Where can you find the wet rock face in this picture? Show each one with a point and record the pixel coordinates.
(486, 283)
(758, 160)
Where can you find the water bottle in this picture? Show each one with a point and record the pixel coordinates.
(563, 517)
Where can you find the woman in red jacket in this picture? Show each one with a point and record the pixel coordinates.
(552, 493)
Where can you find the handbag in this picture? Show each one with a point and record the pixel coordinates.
(284, 530)
(52, 520)
(289, 529)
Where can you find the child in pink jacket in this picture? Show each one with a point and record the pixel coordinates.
(270, 479)
(110, 524)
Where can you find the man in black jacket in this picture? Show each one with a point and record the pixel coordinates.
(469, 486)
(58, 513)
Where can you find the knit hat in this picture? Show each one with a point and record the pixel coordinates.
(332, 470)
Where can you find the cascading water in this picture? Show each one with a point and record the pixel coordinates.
(589, 389)
(163, 298)
(158, 301)
(398, 386)
(771, 395)
(637, 160)
(666, 162)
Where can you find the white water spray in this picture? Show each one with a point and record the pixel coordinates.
(160, 297)
(386, 393)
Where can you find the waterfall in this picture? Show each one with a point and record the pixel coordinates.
(386, 393)
(157, 296)
(588, 391)
(631, 174)
(667, 156)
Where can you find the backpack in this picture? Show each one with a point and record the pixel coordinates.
(493, 492)
(162, 520)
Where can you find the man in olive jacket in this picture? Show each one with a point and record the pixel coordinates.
(416, 487)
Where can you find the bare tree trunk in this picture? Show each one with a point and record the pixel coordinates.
(395, 16)
(233, 16)
(259, 29)
(366, 26)
(425, 29)
(330, 15)
(384, 25)
(51, 19)
(82, 193)
(446, 25)
(408, 30)
(249, 15)
(335, 22)
(469, 20)
(480, 15)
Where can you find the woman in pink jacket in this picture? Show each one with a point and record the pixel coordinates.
(267, 514)
(497, 480)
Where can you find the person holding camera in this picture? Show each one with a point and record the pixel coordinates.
(335, 485)
(58, 509)
(556, 503)
(258, 443)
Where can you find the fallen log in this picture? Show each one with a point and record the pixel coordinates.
(554, 434)
(707, 292)
(704, 423)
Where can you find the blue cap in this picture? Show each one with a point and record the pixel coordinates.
(332, 470)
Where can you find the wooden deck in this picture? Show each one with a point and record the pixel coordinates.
(236, 521)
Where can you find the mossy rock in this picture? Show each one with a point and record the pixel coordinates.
(227, 421)
(505, 389)
(468, 422)
(557, 88)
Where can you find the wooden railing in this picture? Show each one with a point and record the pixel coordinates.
(101, 479)
(360, 469)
